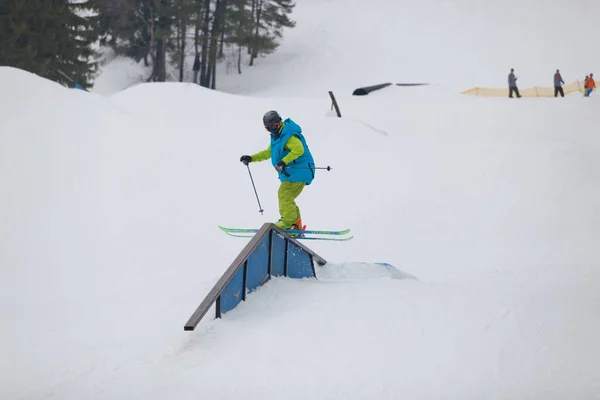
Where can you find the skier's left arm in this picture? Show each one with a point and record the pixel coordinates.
(294, 145)
(262, 155)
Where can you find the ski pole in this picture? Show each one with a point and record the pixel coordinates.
(328, 168)
(254, 186)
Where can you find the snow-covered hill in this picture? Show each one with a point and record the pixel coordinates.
(109, 207)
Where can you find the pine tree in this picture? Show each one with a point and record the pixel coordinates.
(142, 29)
(82, 35)
(128, 27)
(270, 17)
(49, 38)
(16, 47)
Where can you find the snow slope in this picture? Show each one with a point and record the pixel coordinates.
(109, 243)
(109, 207)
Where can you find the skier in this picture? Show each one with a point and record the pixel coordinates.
(558, 82)
(293, 161)
(512, 84)
(590, 85)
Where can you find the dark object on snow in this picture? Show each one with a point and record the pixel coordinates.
(363, 91)
(335, 104)
(78, 86)
(196, 66)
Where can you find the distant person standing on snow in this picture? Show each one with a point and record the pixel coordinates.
(293, 161)
(196, 67)
(512, 84)
(590, 85)
(558, 82)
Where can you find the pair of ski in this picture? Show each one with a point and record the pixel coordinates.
(338, 236)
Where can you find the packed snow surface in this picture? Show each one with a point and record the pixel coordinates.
(483, 211)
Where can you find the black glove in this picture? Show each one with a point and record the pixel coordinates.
(246, 159)
(280, 166)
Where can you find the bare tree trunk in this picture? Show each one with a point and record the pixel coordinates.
(197, 43)
(182, 50)
(152, 44)
(221, 44)
(253, 18)
(197, 34)
(163, 25)
(160, 63)
(212, 57)
(213, 84)
(258, 15)
(151, 47)
(178, 35)
(205, 24)
(239, 59)
(222, 8)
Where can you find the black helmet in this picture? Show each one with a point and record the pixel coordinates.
(271, 120)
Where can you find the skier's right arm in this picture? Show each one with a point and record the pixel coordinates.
(262, 155)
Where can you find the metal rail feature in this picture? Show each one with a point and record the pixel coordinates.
(270, 252)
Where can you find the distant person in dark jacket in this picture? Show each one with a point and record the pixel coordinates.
(196, 67)
(558, 82)
(512, 84)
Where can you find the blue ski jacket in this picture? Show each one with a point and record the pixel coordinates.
(302, 169)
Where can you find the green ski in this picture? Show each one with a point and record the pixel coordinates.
(292, 231)
(334, 239)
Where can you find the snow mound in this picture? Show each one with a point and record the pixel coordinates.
(108, 231)
(359, 271)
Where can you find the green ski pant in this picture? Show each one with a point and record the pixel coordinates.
(288, 210)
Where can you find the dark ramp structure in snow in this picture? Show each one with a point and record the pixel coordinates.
(363, 91)
(412, 84)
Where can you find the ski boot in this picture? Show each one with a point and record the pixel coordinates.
(295, 227)
(298, 227)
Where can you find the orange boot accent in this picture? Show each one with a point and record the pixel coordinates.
(299, 225)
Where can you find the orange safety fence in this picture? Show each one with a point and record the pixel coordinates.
(577, 86)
